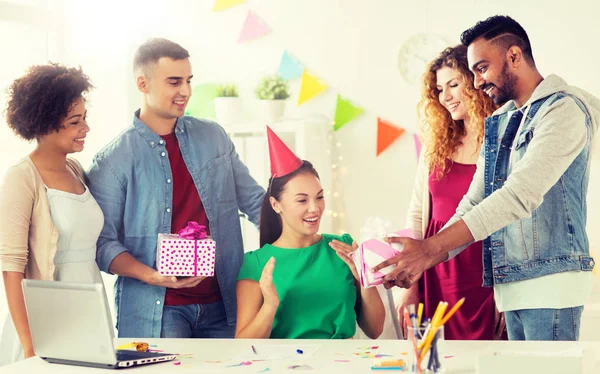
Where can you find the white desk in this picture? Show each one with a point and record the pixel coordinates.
(332, 357)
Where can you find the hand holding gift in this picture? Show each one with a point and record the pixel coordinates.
(374, 250)
(345, 251)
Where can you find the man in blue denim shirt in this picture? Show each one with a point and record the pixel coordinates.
(527, 201)
(161, 172)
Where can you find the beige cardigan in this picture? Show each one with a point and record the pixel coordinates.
(28, 237)
(417, 217)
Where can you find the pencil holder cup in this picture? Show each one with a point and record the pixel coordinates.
(424, 355)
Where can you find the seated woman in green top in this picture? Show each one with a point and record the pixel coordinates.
(313, 292)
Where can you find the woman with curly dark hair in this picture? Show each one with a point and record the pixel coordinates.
(452, 114)
(50, 222)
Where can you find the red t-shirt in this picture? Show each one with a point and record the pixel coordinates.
(187, 206)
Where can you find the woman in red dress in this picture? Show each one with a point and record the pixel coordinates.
(452, 114)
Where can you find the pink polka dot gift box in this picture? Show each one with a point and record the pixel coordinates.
(189, 253)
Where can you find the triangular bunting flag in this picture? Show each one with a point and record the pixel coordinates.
(387, 134)
(290, 67)
(345, 112)
(225, 4)
(254, 28)
(310, 87)
(417, 145)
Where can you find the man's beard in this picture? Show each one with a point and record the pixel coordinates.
(507, 92)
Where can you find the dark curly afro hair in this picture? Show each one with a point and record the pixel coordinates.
(39, 101)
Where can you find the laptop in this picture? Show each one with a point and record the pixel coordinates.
(70, 324)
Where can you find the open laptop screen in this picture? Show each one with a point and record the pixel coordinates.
(70, 321)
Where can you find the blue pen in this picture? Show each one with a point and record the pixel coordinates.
(399, 368)
(413, 320)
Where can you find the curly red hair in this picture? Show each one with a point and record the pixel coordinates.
(443, 135)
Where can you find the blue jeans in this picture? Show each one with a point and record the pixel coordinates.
(544, 324)
(196, 321)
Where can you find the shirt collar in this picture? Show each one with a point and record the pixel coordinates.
(152, 138)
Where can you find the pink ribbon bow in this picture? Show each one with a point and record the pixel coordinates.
(193, 231)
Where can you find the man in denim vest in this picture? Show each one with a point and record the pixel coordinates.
(160, 173)
(527, 200)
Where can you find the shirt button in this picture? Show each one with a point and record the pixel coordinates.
(161, 141)
(157, 302)
(168, 210)
(163, 154)
(152, 143)
(168, 181)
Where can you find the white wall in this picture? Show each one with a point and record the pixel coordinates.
(352, 45)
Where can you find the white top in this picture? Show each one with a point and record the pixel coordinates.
(554, 291)
(79, 221)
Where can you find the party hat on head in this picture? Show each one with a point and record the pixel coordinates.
(283, 160)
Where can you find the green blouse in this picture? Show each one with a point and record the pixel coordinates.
(316, 290)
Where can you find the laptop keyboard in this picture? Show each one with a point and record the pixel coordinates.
(126, 355)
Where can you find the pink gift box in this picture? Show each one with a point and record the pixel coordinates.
(189, 253)
(373, 252)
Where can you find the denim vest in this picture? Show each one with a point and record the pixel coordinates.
(131, 181)
(553, 239)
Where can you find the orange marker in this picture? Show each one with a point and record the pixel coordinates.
(388, 363)
(413, 341)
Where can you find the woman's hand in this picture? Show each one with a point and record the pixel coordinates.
(409, 296)
(257, 305)
(500, 325)
(343, 250)
(269, 292)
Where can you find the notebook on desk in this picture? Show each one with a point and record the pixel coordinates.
(70, 324)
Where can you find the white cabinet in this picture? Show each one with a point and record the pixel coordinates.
(310, 138)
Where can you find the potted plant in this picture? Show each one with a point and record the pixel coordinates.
(272, 92)
(228, 106)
